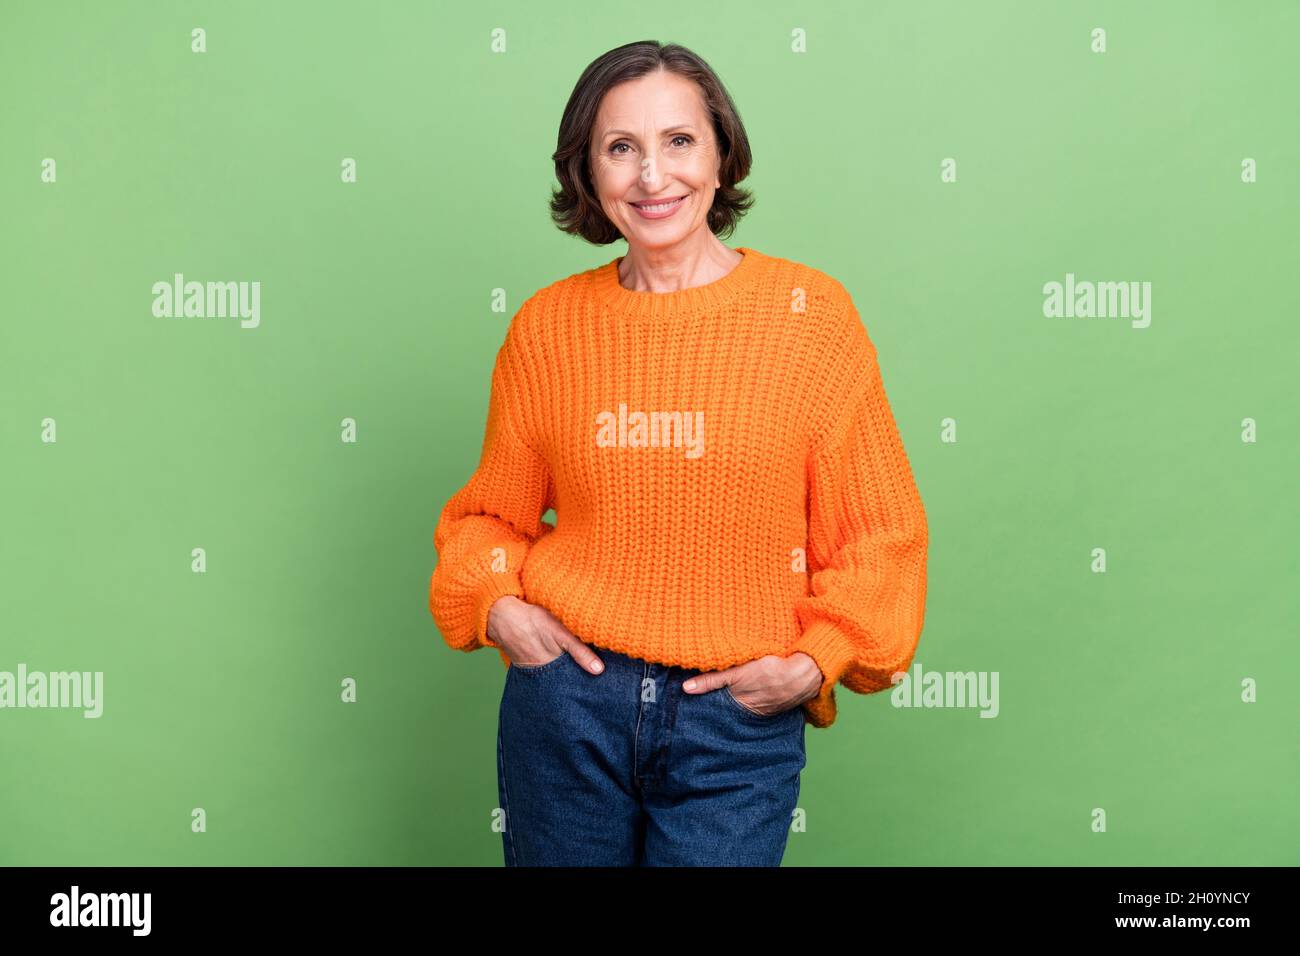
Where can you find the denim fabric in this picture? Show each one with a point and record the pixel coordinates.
(624, 768)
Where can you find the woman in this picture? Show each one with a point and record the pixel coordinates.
(737, 528)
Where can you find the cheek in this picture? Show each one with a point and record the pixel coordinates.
(700, 163)
(612, 180)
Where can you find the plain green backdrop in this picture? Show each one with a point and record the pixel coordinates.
(1119, 691)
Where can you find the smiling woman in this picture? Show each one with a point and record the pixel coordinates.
(671, 636)
(653, 159)
(650, 150)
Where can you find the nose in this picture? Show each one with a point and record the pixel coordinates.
(651, 174)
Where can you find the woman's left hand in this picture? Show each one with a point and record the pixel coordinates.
(768, 685)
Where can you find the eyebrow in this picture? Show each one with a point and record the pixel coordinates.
(667, 129)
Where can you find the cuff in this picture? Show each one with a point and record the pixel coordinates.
(498, 585)
(834, 653)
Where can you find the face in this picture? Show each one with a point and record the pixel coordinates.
(653, 143)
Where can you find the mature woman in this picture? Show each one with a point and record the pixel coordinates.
(737, 527)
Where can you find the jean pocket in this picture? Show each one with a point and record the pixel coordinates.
(536, 668)
(752, 714)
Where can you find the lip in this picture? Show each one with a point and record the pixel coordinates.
(677, 203)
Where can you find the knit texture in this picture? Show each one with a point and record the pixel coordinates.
(775, 512)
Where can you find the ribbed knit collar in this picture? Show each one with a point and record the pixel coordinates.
(696, 299)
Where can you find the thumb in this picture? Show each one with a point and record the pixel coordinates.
(711, 680)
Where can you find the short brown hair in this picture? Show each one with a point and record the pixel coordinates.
(574, 206)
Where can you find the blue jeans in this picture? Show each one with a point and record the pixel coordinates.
(624, 768)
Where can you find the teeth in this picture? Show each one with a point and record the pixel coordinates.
(660, 207)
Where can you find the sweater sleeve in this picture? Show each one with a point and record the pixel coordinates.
(867, 537)
(487, 527)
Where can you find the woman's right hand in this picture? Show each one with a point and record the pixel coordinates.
(531, 635)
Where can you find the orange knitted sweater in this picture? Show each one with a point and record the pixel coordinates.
(727, 477)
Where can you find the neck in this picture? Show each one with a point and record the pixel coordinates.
(676, 268)
(675, 289)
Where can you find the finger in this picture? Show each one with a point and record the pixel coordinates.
(579, 651)
(710, 680)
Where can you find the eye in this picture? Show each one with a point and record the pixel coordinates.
(614, 149)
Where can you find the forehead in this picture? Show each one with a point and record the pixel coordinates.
(654, 102)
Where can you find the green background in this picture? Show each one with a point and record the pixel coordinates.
(1118, 690)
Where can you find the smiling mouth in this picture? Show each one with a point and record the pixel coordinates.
(660, 205)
